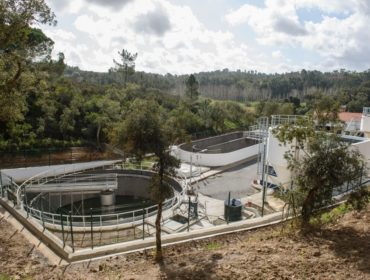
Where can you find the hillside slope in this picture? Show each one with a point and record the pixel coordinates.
(340, 251)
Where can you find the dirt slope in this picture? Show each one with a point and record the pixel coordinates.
(337, 252)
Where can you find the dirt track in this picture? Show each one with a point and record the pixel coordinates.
(337, 252)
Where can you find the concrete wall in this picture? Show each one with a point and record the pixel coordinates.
(131, 185)
(275, 156)
(202, 144)
(365, 123)
(230, 146)
(364, 149)
(214, 160)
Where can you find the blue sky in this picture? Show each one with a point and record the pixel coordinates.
(187, 36)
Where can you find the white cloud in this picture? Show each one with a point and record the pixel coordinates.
(277, 54)
(341, 41)
(167, 37)
(66, 7)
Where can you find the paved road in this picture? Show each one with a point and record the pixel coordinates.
(236, 180)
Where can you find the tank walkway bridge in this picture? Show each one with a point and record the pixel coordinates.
(77, 183)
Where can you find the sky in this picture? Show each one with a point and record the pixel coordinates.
(190, 36)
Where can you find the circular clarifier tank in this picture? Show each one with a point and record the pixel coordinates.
(111, 196)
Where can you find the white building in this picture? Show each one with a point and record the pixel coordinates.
(277, 172)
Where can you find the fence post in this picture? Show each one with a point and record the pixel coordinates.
(228, 209)
(143, 223)
(71, 229)
(362, 172)
(91, 229)
(1, 184)
(62, 224)
(189, 214)
(26, 206)
(42, 214)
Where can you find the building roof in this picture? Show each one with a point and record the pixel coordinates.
(347, 117)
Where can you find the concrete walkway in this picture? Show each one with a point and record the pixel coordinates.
(213, 186)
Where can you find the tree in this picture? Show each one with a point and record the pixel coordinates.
(319, 163)
(127, 64)
(325, 110)
(20, 45)
(141, 133)
(192, 87)
(101, 113)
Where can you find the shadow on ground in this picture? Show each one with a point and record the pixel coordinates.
(204, 269)
(350, 245)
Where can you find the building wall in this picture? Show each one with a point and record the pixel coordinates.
(363, 148)
(365, 123)
(275, 157)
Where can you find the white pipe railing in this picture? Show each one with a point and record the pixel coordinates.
(104, 219)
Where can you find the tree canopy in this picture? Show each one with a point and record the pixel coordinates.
(126, 66)
(142, 133)
(320, 162)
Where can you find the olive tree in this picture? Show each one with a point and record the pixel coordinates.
(141, 133)
(319, 162)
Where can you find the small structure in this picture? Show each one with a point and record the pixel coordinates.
(233, 210)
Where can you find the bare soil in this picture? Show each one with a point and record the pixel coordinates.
(340, 251)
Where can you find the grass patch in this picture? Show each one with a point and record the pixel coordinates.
(146, 164)
(331, 216)
(213, 246)
(4, 277)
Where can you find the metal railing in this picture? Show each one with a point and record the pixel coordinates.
(54, 174)
(101, 220)
(366, 111)
(98, 219)
(285, 119)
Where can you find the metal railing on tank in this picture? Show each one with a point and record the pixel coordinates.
(101, 220)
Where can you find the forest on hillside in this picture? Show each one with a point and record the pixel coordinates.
(46, 103)
(353, 88)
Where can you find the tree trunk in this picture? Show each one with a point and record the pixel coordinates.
(158, 240)
(307, 207)
(98, 135)
(125, 78)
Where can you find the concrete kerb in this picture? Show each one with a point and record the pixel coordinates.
(175, 238)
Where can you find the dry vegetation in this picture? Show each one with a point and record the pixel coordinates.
(338, 251)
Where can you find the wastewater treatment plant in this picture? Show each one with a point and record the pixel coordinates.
(225, 183)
